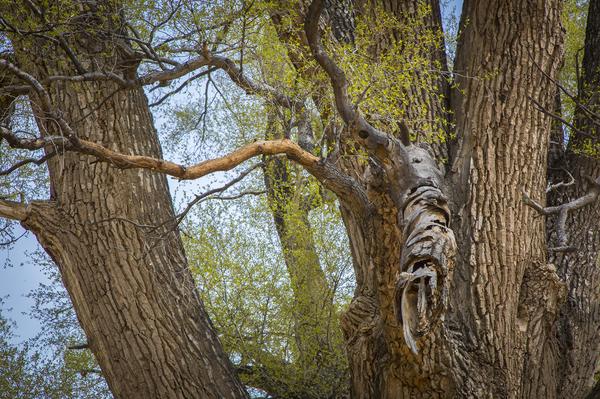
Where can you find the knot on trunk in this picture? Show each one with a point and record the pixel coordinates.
(426, 264)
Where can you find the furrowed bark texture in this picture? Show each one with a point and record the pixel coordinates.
(132, 291)
(498, 338)
(505, 294)
(390, 252)
(456, 295)
(388, 286)
(579, 327)
(133, 294)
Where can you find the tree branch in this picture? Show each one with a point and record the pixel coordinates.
(31, 81)
(374, 139)
(563, 212)
(37, 161)
(175, 72)
(201, 197)
(328, 174)
(552, 187)
(79, 346)
(251, 87)
(13, 210)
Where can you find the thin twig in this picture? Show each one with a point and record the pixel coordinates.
(571, 181)
(37, 161)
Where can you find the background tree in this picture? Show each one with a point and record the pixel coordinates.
(29, 371)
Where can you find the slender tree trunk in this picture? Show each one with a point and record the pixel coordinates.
(130, 286)
(318, 371)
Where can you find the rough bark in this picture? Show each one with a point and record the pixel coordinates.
(579, 328)
(498, 338)
(391, 288)
(131, 289)
(391, 266)
(505, 293)
(456, 295)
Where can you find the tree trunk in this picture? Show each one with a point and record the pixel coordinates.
(381, 364)
(497, 338)
(130, 285)
(507, 293)
(317, 370)
(579, 327)
(456, 295)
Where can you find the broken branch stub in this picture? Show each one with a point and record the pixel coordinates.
(427, 260)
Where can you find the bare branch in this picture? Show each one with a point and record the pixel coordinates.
(327, 173)
(15, 90)
(175, 72)
(593, 116)
(373, 138)
(563, 212)
(30, 80)
(13, 210)
(199, 198)
(181, 86)
(85, 372)
(250, 86)
(79, 346)
(37, 161)
(552, 187)
(558, 118)
(31, 144)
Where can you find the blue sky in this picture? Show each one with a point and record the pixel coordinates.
(16, 281)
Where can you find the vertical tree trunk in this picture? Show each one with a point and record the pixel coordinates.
(497, 339)
(506, 293)
(579, 327)
(319, 373)
(130, 286)
(381, 364)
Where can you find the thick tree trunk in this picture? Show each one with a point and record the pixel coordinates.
(579, 327)
(381, 364)
(130, 286)
(487, 322)
(506, 293)
(497, 339)
(375, 340)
